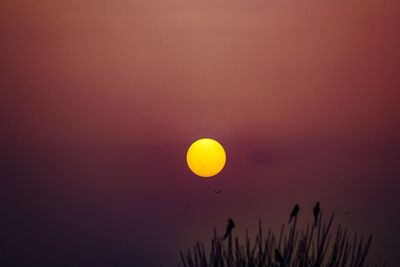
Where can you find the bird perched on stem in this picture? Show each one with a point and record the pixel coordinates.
(229, 228)
(294, 213)
(316, 212)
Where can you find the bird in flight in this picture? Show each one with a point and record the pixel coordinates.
(218, 191)
(316, 212)
(229, 228)
(294, 213)
(347, 212)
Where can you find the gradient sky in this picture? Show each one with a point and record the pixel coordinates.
(99, 101)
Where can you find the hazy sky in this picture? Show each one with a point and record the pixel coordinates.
(99, 101)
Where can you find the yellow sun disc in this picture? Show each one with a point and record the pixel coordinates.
(206, 157)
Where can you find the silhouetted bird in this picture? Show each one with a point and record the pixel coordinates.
(316, 212)
(217, 191)
(229, 228)
(278, 257)
(347, 212)
(294, 213)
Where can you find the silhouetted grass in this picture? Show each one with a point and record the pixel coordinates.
(316, 246)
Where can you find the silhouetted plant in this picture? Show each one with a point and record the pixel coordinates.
(316, 246)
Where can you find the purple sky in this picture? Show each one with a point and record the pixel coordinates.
(99, 101)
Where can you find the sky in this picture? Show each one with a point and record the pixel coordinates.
(100, 100)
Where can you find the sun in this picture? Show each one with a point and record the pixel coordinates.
(206, 157)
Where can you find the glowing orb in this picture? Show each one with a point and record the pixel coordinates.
(206, 157)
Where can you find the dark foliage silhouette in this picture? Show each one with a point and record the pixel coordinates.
(318, 245)
(278, 257)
